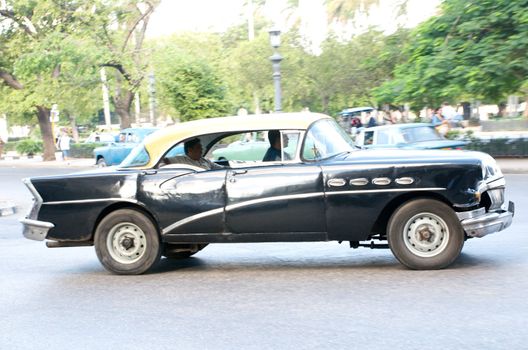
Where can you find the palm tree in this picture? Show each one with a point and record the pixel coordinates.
(344, 10)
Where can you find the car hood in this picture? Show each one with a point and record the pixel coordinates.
(436, 144)
(403, 156)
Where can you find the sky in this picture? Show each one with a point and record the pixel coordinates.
(173, 16)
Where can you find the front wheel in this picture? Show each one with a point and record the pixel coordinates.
(425, 234)
(101, 162)
(127, 242)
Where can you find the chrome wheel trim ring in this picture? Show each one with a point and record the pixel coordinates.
(426, 235)
(126, 243)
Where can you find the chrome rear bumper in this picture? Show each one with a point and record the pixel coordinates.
(36, 230)
(479, 223)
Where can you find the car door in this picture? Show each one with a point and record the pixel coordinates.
(279, 201)
(355, 196)
(185, 201)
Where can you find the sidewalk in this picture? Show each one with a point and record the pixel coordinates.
(37, 162)
(513, 165)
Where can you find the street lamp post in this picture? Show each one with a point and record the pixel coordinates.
(275, 59)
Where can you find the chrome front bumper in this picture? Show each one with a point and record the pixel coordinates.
(36, 230)
(479, 223)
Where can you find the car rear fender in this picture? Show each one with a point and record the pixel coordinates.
(126, 205)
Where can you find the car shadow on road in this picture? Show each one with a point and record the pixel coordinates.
(197, 264)
(466, 260)
(364, 263)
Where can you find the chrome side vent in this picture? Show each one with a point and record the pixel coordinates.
(381, 181)
(404, 180)
(336, 182)
(361, 181)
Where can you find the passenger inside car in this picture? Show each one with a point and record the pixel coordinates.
(275, 151)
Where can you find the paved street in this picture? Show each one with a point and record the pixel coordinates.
(263, 296)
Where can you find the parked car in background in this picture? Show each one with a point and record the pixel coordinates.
(116, 151)
(406, 136)
(350, 118)
(421, 204)
(101, 137)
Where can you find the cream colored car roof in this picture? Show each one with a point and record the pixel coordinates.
(158, 142)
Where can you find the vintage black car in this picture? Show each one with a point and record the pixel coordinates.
(423, 205)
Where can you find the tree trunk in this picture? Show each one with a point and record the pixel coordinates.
(502, 109)
(525, 113)
(73, 124)
(122, 108)
(326, 102)
(46, 132)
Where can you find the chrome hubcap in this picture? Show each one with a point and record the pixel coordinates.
(126, 243)
(426, 235)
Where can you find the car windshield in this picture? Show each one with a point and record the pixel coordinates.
(137, 157)
(421, 134)
(324, 139)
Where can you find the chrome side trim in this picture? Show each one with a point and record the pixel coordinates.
(387, 190)
(92, 201)
(381, 181)
(404, 180)
(272, 199)
(191, 219)
(237, 206)
(361, 181)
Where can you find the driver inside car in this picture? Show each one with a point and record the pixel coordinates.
(193, 156)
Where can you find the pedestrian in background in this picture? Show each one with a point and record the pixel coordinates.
(440, 123)
(63, 144)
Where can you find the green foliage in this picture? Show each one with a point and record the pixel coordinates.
(472, 50)
(502, 147)
(54, 61)
(83, 150)
(29, 147)
(192, 89)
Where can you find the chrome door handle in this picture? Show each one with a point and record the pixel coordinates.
(238, 172)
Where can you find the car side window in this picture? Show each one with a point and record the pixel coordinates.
(369, 138)
(133, 138)
(252, 146)
(383, 138)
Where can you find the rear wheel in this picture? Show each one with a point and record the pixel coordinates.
(425, 234)
(101, 162)
(182, 251)
(127, 242)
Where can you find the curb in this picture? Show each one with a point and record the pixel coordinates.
(7, 208)
(9, 158)
(38, 162)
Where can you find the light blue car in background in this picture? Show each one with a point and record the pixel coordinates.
(406, 136)
(115, 152)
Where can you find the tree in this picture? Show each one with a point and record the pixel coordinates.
(344, 10)
(40, 51)
(192, 89)
(473, 49)
(119, 31)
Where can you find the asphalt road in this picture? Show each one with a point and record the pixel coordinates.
(263, 296)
